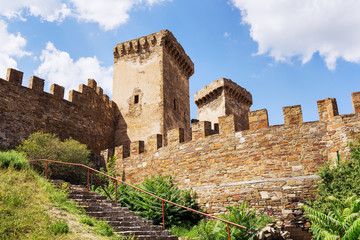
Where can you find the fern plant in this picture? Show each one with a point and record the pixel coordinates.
(239, 214)
(341, 223)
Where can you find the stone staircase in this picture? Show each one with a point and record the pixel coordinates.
(120, 218)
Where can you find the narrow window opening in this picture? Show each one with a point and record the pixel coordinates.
(136, 99)
(174, 104)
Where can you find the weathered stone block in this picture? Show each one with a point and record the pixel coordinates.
(99, 91)
(292, 115)
(74, 96)
(226, 125)
(84, 89)
(57, 91)
(355, 97)
(175, 136)
(258, 119)
(201, 129)
(327, 109)
(136, 148)
(92, 83)
(154, 142)
(36, 83)
(119, 152)
(14, 76)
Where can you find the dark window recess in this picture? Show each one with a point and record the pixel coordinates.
(174, 104)
(136, 99)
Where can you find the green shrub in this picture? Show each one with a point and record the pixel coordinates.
(59, 227)
(151, 208)
(47, 146)
(103, 229)
(341, 180)
(342, 221)
(210, 229)
(13, 159)
(87, 220)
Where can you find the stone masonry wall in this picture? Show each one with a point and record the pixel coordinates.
(272, 167)
(88, 116)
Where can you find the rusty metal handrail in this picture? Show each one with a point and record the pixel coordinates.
(91, 170)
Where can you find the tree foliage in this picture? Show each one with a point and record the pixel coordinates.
(48, 146)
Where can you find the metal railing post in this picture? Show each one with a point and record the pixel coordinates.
(163, 212)
(228, 229)
(88, 181)
(47, 163)
(116, 191)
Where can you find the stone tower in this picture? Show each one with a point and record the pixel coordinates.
(151, 87)
(224, 97)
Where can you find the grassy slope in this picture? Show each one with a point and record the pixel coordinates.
(29, 205)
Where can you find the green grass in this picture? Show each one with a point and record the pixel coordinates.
(185, 232)
(13, 159)
(31, 208)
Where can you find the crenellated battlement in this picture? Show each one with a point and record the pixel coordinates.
(144, 46)
(86, 95)
(88, 115)
(226, 125)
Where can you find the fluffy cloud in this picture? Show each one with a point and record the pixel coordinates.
(49, 10)
(58, 67)
(299, 28)
(109, 14)
(10, 46)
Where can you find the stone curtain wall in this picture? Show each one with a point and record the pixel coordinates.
(88, 116)
(271, 167)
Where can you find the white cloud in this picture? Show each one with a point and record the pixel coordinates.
(299, 28)
(49, 10)
(58, 67)
(11, 46)
(109, 14)
(226, 35)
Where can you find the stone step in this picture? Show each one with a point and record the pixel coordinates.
(120, 218)
(149, 233)
(135, 228)
(114, 216)
(150, 237)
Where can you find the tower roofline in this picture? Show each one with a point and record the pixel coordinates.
(206, 93)
(163, 38)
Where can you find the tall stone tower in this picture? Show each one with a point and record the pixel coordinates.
(151, 87)
(224, 97)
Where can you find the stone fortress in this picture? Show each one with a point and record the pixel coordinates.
(228, 155)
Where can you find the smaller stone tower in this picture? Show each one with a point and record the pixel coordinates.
(224, 97)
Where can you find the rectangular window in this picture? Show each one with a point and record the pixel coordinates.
(136, 99)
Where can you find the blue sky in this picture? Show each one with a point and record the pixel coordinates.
(283, 52)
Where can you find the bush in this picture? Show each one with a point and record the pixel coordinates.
(151, 208)
(103, 229)
(210, 229)
(87, 220)
(47, 146)
(341, 222)
(13, 159)
(340, 181)
(60, 227)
